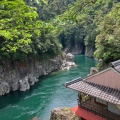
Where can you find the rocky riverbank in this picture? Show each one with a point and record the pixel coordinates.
(68, 62)
(21, 75)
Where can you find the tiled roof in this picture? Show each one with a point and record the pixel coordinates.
(116, 65)
(99, 91)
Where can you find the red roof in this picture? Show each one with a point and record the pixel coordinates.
(85, 114)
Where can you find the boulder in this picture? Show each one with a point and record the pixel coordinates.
(34, 118)
(63, 114)
(70, 57)
(93, 70)
(68, 62)
(4, 88)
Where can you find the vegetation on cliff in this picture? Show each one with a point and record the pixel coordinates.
(22, 34)
(51, 9)
(92, 24)
(108, 41)
(43, 27)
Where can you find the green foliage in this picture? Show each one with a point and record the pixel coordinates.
(36, 2)
(15, 23)
(108, 41)
(86, 23)
(93, 24)
(21, 34)
(78, 25)
(53, 8)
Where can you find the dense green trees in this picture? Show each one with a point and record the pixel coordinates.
(53, 8)
(16, 25)
(36, 30)
(108, 41)
(22, 34)
(94, 23)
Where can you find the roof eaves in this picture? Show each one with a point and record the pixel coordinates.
(115, 63)
(87, 78)
(73, 81)
(90, 91)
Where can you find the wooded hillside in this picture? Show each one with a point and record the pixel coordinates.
(42, 27)
(94, 24)
(22, 34)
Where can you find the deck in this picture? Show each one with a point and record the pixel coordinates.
(85, 115)
(98, 109)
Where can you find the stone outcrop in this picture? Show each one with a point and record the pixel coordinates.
(4, 88)
(68, 62)
(21, 75)
(35, 118)
(89, 51)
(76, 50)
(63, 114)
(93, 70)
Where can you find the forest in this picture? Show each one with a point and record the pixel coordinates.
(46, 28)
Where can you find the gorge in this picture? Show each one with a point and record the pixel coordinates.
(21, 75)
(35, 34)
(47, 94)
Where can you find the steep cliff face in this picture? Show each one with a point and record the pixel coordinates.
(21, 75)
(89, 50)
(76, 50)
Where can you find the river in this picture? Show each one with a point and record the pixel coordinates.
(45, 95)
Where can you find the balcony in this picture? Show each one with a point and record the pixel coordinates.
(99, 109)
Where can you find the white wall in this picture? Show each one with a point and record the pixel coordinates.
(101, 101)
(113, 108)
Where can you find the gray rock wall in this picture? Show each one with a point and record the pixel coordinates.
(21, 75)
(89, 51)
(76, 50)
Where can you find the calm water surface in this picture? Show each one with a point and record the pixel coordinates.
(47, 94)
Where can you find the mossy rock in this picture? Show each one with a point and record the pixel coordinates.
(63, 114)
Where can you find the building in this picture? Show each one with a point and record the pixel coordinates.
(98, 94)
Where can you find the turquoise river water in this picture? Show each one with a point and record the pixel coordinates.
(45, 95)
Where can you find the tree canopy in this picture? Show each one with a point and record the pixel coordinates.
(43, 27)
(108, 41)
(92, 23)
(22, 33)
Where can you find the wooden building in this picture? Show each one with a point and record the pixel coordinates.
(98, 94)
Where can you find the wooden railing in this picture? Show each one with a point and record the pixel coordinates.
(101, 111)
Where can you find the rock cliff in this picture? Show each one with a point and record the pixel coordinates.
(63, 114)
(21, 75)
(89, 51)
(80, 49)
(68, 62)
(76, 49)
